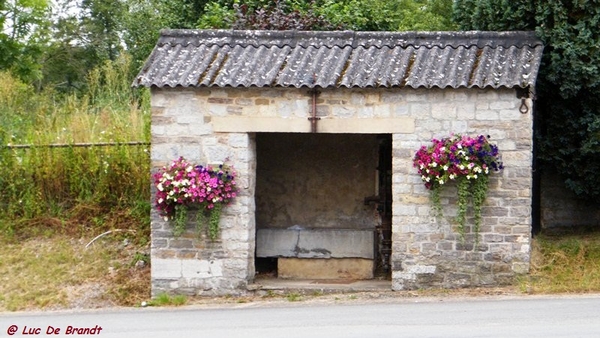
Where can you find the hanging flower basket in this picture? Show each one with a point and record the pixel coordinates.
(466, 160)
(183, 185)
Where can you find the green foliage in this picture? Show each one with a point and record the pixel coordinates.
(180, 219)
(375, 15)
(213, 221)
(23, 33)
(469, 192)
(385, 15)
(102, 22)
(281, 16)
(141, 28)
(568, 89)
(216, 16)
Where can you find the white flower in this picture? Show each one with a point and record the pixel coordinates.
(461, 167)
(434, 164)
(189, 169)
(160, 187)
(446, 167)
(160, 200)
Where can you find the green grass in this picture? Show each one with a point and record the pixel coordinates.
(293, 297)
(164, 299)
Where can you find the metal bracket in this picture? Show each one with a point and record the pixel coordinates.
(522, 92)
(313, 118)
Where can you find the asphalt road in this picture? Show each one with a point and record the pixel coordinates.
(577, 316)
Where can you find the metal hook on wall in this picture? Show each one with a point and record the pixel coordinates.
(524, 108)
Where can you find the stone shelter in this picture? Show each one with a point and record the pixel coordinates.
(322, 128)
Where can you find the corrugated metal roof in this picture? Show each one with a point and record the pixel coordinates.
(342, 58)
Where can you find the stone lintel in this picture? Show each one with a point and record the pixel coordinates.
(243, 124)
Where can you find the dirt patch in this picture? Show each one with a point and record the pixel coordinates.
(351, 297)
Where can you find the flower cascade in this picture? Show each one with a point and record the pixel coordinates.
(182, 185)
(463, 159)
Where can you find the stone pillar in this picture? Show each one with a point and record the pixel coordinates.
(427, 250)
(193, 264)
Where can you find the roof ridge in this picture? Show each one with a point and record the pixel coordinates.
(343, 39)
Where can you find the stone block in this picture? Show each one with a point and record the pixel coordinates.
(332, 268)
(422, 110)
(443, 111)
(195, 268)
(159, 243)
(162, 268)
(499, 105)
(315, 243)
(490, 115)
(178, 243)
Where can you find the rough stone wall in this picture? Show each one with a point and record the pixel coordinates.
(211, 125)
(427, 251)
(192, 264)
(315, 181)
(561, 209)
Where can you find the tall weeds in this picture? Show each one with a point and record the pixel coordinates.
(79, 189)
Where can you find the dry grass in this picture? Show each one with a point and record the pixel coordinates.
(54, 271)
(59, 272)
(564, 263)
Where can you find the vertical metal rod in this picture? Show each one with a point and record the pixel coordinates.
(313, 118)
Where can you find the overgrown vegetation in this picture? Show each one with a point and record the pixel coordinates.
(55, 200)
(77, 190)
